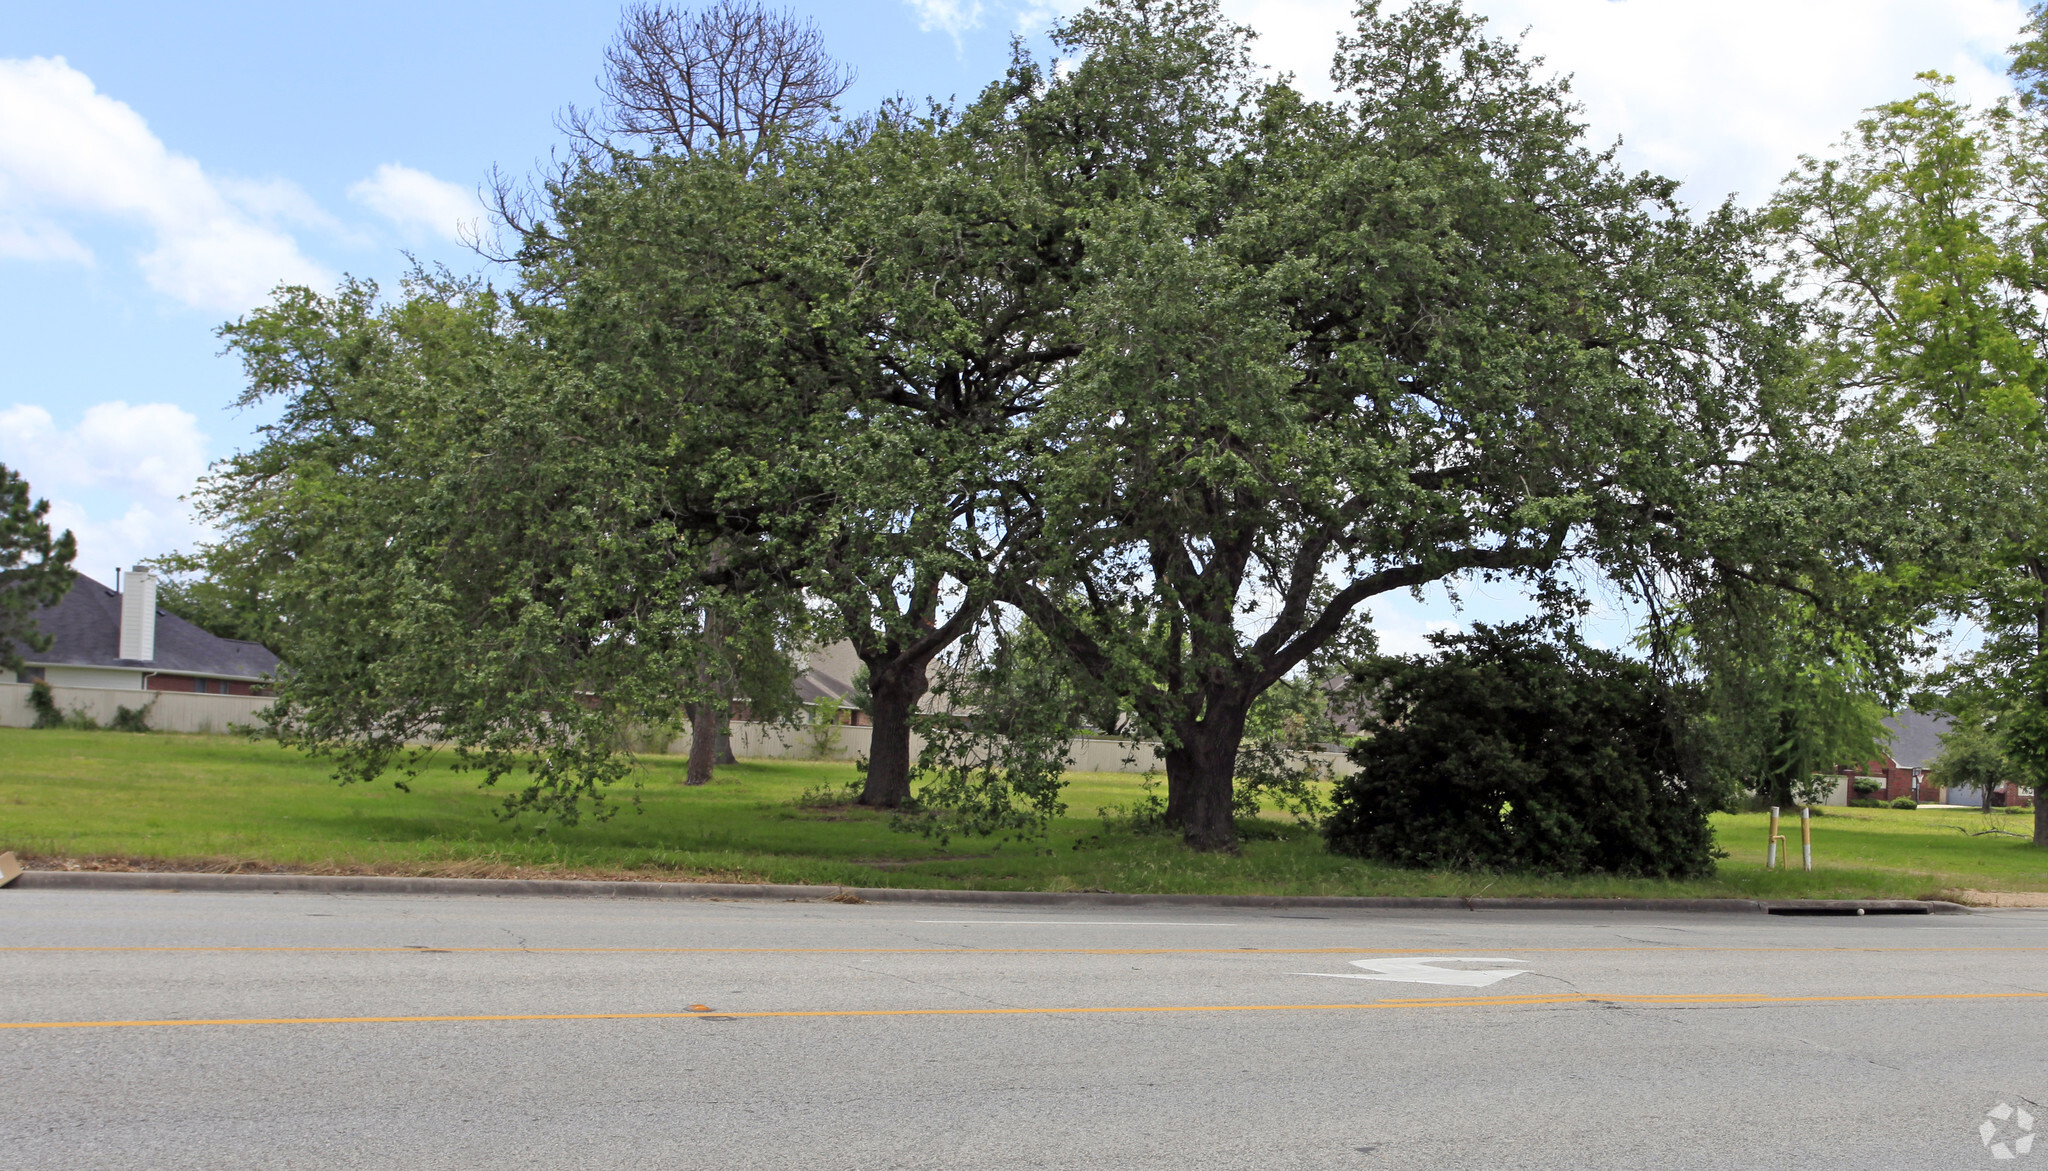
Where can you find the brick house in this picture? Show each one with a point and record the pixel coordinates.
(1914, 745)
(120, 640)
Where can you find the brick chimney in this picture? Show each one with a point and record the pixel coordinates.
(138, 616)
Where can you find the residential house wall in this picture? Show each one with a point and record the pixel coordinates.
(1918, 783)
(1914, 745)
(113, 678)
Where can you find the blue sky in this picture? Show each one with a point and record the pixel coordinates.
(163, 165)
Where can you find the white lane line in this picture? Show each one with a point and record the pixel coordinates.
(1073, 923)
(1423, 970)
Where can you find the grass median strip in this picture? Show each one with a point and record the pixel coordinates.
(104, 800)
(1730, 999)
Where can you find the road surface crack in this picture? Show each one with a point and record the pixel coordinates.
(911, 980)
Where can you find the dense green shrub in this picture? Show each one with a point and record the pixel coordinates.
(44, 701)
(1866, 803)
(1905, 803)
(1865, 786)
(1508, 751)
(48, 715)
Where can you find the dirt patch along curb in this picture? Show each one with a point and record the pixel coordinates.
(2034, 900)
(575, 888)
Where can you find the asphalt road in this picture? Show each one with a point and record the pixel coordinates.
(415, 1032)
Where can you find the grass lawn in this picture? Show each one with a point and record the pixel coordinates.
(215, 802)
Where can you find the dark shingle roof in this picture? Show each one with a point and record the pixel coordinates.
(1915, 738)
(85, 631)
(814, 685)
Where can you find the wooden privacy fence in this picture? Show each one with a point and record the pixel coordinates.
(168, 711)
(844, 742)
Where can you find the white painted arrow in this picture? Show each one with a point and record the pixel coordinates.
(1420, 970)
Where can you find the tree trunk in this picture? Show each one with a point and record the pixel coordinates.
(722, 754)
(893, 695)
(1200, 771)
(703, 743)
(708, 743)
(2040, 700)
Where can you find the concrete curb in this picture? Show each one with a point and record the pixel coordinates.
(577, 888)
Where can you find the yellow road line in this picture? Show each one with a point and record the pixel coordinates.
(969, 951)
(1678, 999)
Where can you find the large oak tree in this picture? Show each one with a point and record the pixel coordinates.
(1336, 350)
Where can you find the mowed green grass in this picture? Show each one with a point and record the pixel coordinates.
(218, 802)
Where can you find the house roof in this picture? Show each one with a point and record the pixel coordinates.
(1915, 738)
(814, 685)
(85, 631)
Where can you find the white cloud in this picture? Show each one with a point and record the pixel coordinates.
(132, 460)
(1406, 630)
(415, 199)
(1035, 16)
(1724, 96)
(23, 237)
(154, 449)
(949, 16)
(68, 151)
(278, 201)
(138, 534)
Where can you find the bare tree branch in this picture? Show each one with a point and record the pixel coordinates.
(730, 75)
